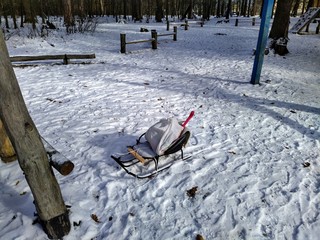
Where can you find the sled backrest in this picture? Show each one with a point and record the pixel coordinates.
(163, 134)
(179, 143)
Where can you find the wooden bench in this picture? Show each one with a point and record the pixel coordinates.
(64, 57)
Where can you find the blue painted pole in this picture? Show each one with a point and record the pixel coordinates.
(262, 40)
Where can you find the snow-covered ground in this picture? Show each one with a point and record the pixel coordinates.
(248, 148)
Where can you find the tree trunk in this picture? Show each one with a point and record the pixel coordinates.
(32, 157)
(280, 27)
(228, 12)
(281, 20)
(206, 10)
(249, 9)
(295, 8)
(68, 15)
(27, 10)
(303, 6)
(136, 10)
(310, 4)
(190, 10)
(218, 12)
(159, 10)
(124, 9)
(13, 14)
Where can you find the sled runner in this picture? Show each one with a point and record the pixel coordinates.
(155, 150)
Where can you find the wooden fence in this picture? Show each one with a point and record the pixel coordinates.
(153, 39)
(65, 57)
(184, 24)
(252, 20)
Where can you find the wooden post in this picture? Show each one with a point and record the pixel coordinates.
(155, 39)
(186, 25)
(32, 157)
(262, 41)
(122, 42)
(237, 22)
(175, 30)
(253, 21)
(201, 23)
(65, 60)
(7, 153)
(318, 27)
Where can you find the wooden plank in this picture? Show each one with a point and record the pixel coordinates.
(136, 155)
(140, 41)
(51, 57)
(80, 56)
(166, 34)
(36, 58)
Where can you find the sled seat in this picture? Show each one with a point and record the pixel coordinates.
(145, 150)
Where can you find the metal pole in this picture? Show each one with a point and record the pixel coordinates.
(262, 41)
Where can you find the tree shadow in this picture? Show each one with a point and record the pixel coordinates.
(193, 88)
(17, 202)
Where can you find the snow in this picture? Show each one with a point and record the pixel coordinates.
(248, 146)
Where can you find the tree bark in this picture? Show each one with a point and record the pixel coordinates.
(281, 20)
(32, 157)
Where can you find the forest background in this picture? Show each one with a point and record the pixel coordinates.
(77, 13)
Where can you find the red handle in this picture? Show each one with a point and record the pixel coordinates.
(188, 119)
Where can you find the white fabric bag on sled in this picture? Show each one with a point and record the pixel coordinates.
(163, 134)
